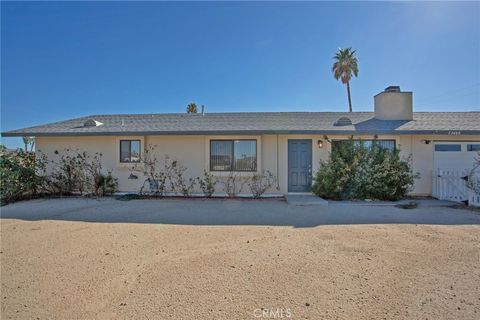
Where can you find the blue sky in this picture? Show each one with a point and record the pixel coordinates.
(64, 60)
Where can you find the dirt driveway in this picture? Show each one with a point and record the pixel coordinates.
(81, 259)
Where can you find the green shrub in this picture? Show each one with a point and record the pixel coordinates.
(19, 177)
(355, 171)
(23, 174)
(105, 184)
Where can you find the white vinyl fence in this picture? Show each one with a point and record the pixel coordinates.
(450, 184)
(474, 199)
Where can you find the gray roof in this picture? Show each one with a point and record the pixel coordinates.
(256, 123)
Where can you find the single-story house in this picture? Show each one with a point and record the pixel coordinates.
(288, 144)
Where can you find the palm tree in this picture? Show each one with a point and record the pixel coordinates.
(192, 108)
(345, 65)
(28, 141)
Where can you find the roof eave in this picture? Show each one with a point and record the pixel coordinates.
(238, 132)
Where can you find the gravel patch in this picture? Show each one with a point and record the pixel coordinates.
(60, 269)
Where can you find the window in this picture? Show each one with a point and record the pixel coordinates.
(473, 147)
(448, 147)
(386, 144)
(129, 150)
(233, 155)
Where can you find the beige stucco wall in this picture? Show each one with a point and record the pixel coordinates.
(270, 142)
(394, 106)
(422, 156)
(107, 146)
(190, 151)
(193, 153)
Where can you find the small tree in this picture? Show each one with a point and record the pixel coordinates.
(29, 141)
(344, 67)
(192, 108)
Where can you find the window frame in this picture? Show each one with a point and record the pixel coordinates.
(129, 149)
(232, 163)
(471, 148)
(441, 145)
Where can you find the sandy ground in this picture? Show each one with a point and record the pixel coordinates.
(86, 270)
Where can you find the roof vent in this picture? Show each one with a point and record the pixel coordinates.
(92, 123)
(343, 121)
(392, 89)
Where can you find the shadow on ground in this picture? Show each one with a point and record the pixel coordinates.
(230, 212)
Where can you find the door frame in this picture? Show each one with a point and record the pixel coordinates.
(310, 141)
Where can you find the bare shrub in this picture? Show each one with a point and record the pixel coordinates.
(233, 184)
(178, 181)
(207, 183)
(75, 171)
(473, 182)
(149, 166)
(169, 177)
(261, 182)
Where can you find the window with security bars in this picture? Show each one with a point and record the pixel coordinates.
(385, 144)
(233, 155)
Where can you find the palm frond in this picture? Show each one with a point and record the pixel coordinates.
(345, 65)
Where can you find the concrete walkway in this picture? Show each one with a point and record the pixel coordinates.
(419, 202)
(301, 199)
(272, 212)
(309, 199)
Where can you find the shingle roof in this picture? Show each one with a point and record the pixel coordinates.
(257, 123)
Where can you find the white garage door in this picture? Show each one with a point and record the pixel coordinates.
(452, 162)
(455, 155)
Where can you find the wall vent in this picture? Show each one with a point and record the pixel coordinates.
(343, 121)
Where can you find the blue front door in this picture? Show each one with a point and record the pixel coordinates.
(299, 165)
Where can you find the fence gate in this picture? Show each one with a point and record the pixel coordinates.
(449, 184)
